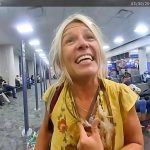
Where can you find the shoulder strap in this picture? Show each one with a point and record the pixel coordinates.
(55, 97)
(52, 105)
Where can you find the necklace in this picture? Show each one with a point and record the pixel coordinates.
(91, 108)
(72, 107)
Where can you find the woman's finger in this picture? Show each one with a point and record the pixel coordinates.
(94, 127)
(81, 130)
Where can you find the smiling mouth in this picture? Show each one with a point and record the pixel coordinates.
(83, 58)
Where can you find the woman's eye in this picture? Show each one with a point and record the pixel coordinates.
(69, 40)
(90, 37)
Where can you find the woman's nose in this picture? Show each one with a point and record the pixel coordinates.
(82, 43)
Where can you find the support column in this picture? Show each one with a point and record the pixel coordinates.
(35, 84)
(44, 77)
(27, 131)
(142, 60)
(41, 78)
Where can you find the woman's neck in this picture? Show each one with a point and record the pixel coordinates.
(83, 94)
(84, 90)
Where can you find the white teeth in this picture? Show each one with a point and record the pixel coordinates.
(84, 57)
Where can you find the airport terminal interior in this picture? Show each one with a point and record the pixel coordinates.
(26, 34)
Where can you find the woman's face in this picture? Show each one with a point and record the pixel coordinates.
(80, 51)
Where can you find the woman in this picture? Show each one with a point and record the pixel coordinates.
(91, 112)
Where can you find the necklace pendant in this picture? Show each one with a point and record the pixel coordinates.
(91, 119)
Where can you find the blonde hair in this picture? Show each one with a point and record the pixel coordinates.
(56, 51)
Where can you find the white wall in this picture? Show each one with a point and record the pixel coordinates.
(7, 65)
(16, 60)
(31, 68)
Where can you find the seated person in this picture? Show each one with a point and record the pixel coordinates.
(126, 80)
(32, 79)
(17, 81)
(28, 82)
(145, 76)
(145, 89)
(140, 107)
(141, 104)
(126, 73)
(148, 106)
(6, 87)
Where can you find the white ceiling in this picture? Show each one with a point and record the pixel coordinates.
(45, 20)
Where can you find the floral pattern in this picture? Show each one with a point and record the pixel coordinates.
(62, 126)
(70, 147)
(68, 132)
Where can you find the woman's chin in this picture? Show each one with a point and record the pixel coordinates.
(90, 71)
(87, 74)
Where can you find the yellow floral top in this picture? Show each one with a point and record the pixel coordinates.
(66, 134)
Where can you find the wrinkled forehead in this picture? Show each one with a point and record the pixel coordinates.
(73, 24)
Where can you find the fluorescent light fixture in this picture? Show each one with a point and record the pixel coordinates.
(108, 61)
(24, 28)
(106, 47)
(44, 57)
(46, 61)
(118, 40)
(141, 29)
(39, 50)
(41, 54)
(34, 42)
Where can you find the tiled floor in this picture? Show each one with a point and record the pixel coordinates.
(12, 121)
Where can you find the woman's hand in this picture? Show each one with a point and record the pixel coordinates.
(91, 142)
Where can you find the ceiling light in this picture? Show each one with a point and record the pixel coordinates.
(39, 50)
(141, 28)
(118, 40)
(34, 42)
(24, 28)
(108, 61)
(44, 57)
(42, 54)
(106, 47)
